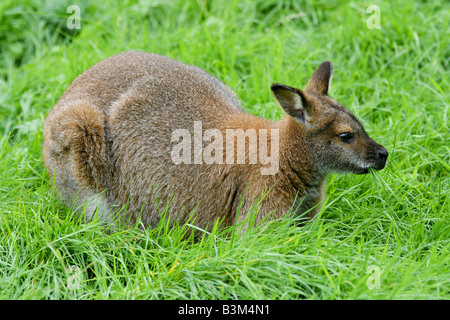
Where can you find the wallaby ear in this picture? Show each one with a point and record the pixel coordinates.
(292, 101)
(321, 79)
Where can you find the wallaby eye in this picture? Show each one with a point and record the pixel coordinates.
(346, 137)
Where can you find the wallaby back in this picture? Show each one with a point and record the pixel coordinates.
(156, 136)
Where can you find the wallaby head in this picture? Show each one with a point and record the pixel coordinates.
(335, 139)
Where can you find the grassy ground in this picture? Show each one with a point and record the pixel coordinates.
(391, 226)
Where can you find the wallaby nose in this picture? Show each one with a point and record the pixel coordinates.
(382, 155)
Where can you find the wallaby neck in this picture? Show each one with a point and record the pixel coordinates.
(295, 154)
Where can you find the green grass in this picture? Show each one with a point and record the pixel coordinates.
(394, 79)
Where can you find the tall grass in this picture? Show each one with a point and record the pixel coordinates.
(394, 79)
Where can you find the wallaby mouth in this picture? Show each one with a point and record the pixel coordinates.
(378, 162)
(363, 171)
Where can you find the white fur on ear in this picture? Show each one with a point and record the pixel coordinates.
(298, 103)
(300, 107)
(329, 82)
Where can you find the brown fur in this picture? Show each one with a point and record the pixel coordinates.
(108, 143)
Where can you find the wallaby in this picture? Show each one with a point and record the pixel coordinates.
(110, 143)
